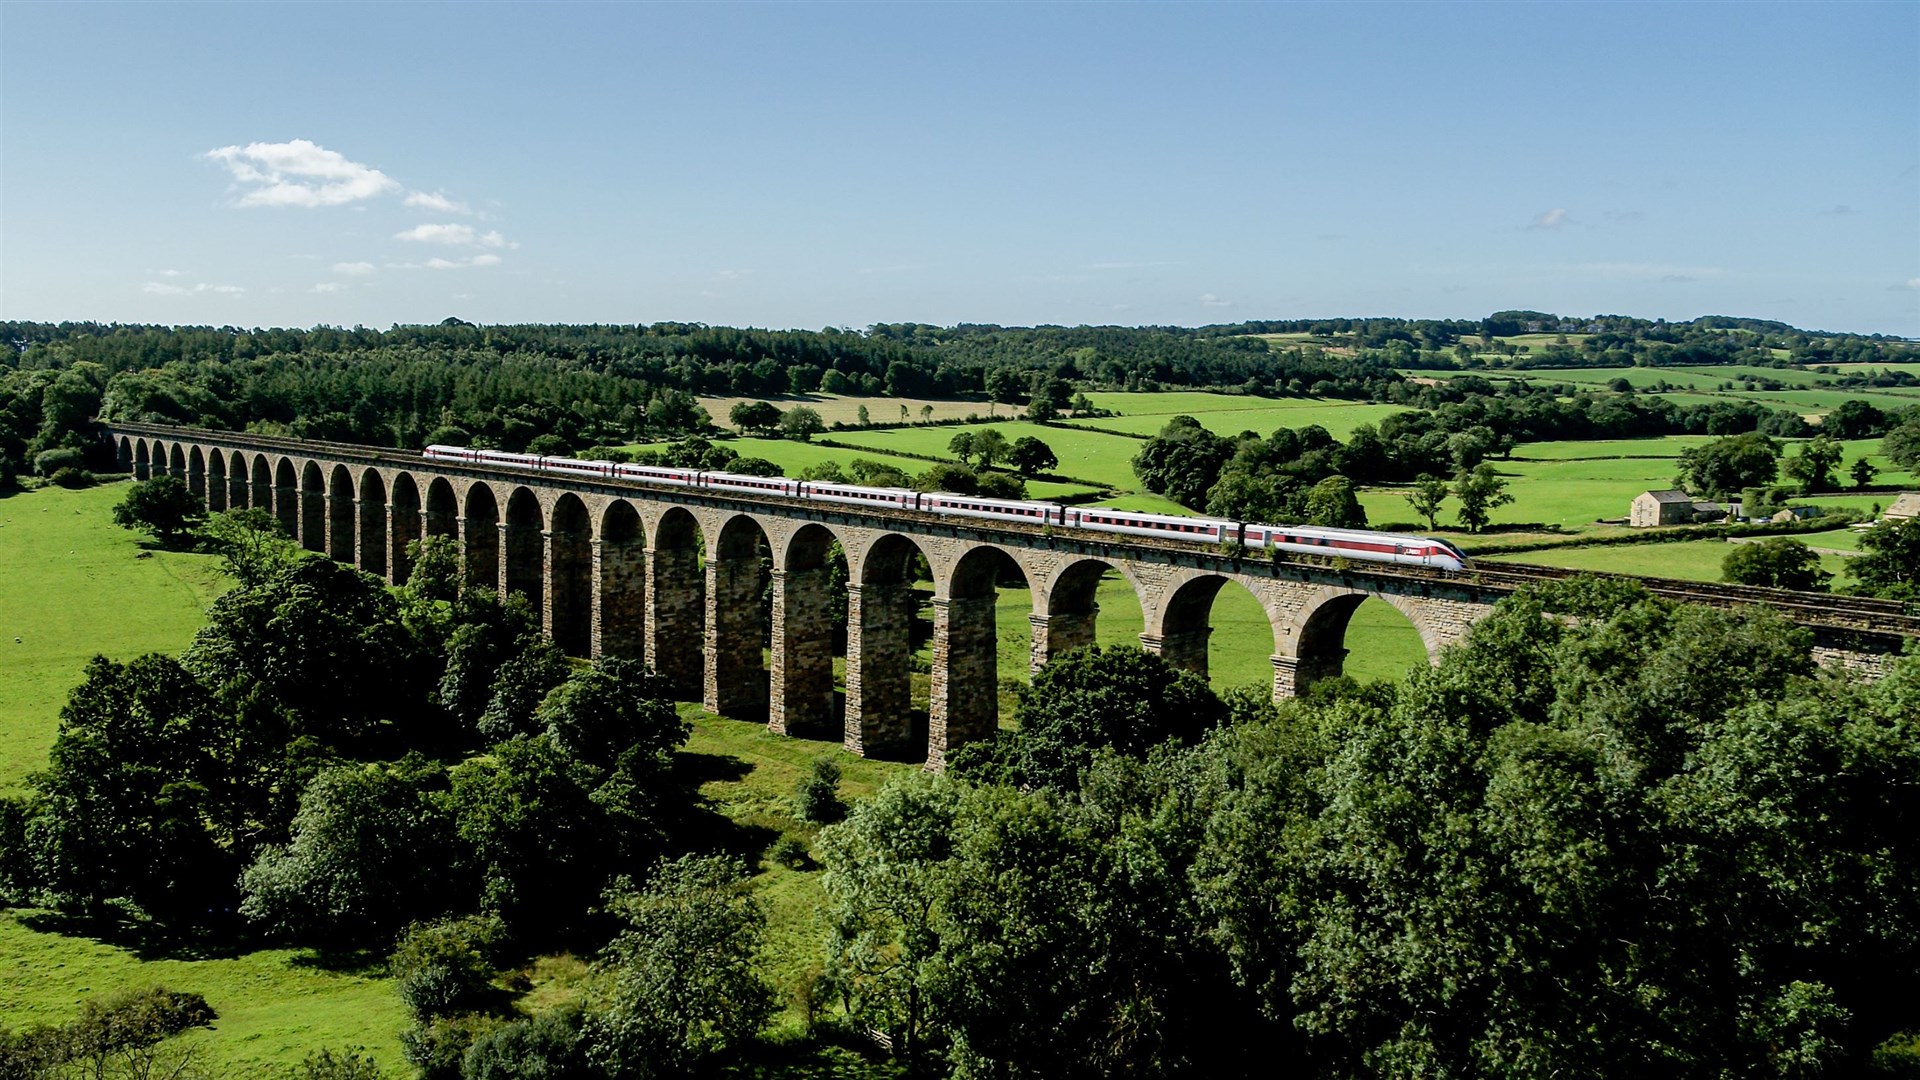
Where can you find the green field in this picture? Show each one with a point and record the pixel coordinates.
(1231, 414)
(1689, 560)
(72, 586)
(1084, 455)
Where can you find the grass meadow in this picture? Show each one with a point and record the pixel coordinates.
(1688, 560)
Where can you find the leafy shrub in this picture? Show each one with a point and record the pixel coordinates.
(445, 967)
(818, 794)
(74, 478)
(437, 1047)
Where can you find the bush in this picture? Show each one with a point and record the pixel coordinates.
(354, 1064)
(790, 852)
(818, 794)
(49, 462)
(445, 967)
(74, 478)
(545, 1047)
(438, 1047)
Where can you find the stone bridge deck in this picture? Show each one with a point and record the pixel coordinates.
(675, 577)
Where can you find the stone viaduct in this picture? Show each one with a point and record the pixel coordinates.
(674, 577)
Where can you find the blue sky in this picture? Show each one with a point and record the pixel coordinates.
(843, 164)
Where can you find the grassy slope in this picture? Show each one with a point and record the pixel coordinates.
(1691, 560)
(72, 585)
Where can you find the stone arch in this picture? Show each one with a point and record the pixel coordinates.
(260, 485)
(142, 463)
(237, 492)
(197, 473)
(313, 508)
(371, 521)
(216, 482)
(1183, 627)
(177, 462)
(340, 515)
(286, 496)
(1067, 613)
(1314, 642)
(964, 702)
(809, 612)
(521, 544)
(620, 583)
(403, 524)
(676, 602)
(737, 624)
(880, 720)
(569, 594)
(443, 509)
(123, 456)
(480, 537)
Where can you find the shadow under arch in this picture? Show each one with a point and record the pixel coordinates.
(881, 720)
(142, 462)
(809, 618)
(371, 539)
(312, 525)
(177, 463)
(964, 702)
(123, 456)
(443, 509)
(216, 484)
(403, 502)
(197, 473)
(260, 488)
(570, 576)
(340, 515)
(521, 545)
(677, 602)
(480, 537)
(1395, 639)
(237, 489)
(620, 585)
(737, 622)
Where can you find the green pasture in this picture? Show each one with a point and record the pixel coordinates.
(1911, 368)
(1689, 560)
(1695, 377)
(73, 585)
(1086, 455)
(1541, 341)
(1230, 414)
(794, 456)
(845, 409)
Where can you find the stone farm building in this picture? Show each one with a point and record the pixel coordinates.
(1671, 507)
(1906, 506)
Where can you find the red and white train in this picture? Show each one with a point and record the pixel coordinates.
(1305, 539)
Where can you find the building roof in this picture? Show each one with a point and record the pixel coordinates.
(1669, 496)
(1907, 505)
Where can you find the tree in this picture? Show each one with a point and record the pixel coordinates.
(616, 713)
(961, 446)
(684, 985)
(1116, 698)
(755, 416)
(926, 413)
(162, 506)
(542, 844)
(861, 416)
(1813, 466)
(252, 545)
(1723, 467)
(1428, 493)
(129, 801)
(443, 968)
(1902, 443)
(990, 447)
(1479, 492)
(522, 682)
(1332, 504)
(1889, 563)
(1863, 472)
(1854, 419)
(372, 850)
(1029, 455)
(1182, 462)
(801, 422)
(1778, 562)
(1002, 386)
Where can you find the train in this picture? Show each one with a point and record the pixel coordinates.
(1401, 549)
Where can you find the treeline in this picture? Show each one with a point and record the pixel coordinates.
(1560, 852)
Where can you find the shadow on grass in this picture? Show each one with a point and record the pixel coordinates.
(364, 963)
(144, 938)
(694, 822)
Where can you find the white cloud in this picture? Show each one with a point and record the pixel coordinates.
(1910, 283)
(300, 173)
(1211, 300)
(161, 288)
(437, 263)
(327, 287)
(1550, 219)
(353, 269)
(170, 273)
(454, 235)
(435, 200)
